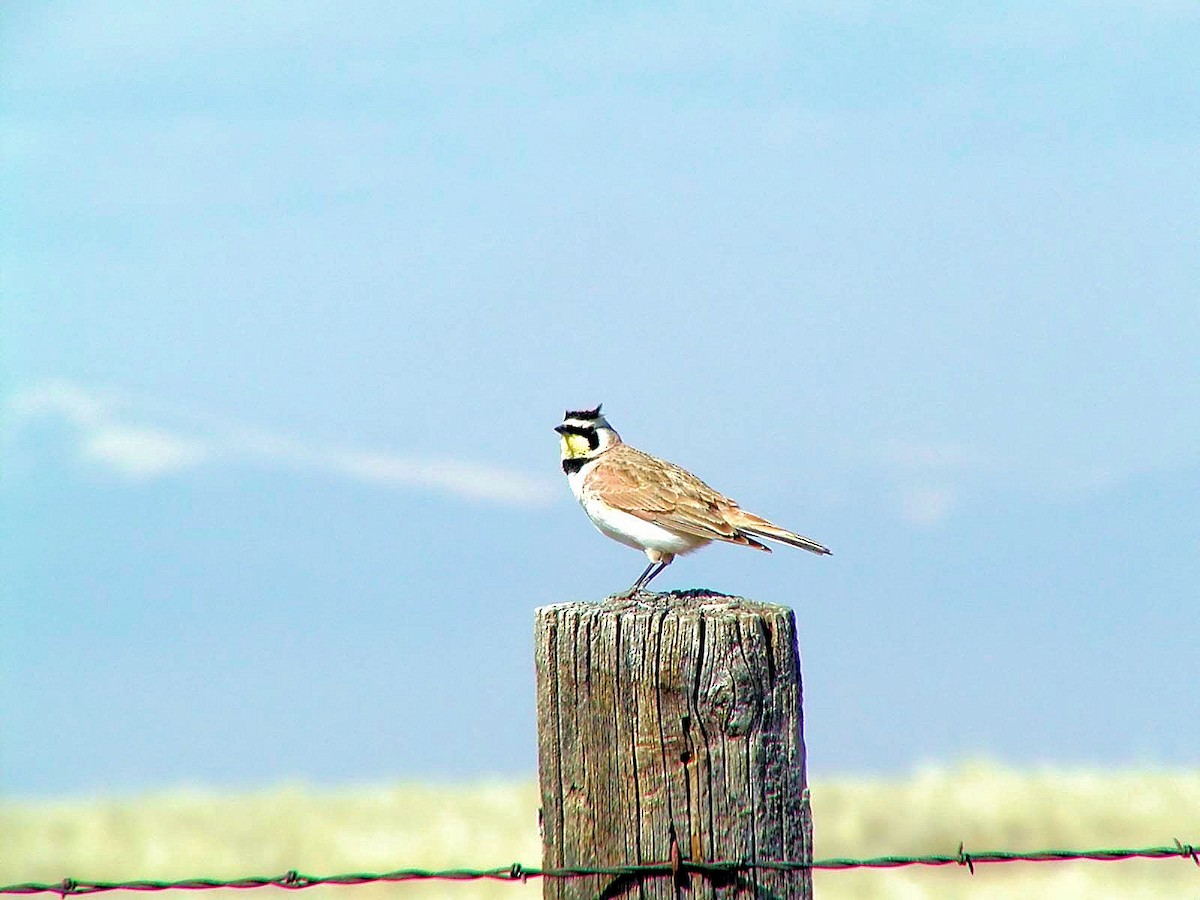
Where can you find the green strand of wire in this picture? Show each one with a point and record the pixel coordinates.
(294, 880)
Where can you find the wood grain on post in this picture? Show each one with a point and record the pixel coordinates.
(675, 719)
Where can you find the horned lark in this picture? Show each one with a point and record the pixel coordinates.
(650, 504)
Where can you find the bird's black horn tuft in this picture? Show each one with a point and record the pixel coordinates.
(584, 414)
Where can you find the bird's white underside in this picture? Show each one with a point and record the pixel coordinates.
(628, 529)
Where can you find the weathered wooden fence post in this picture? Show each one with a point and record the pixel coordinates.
(675, 720)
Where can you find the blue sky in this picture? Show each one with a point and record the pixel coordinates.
(294, 293)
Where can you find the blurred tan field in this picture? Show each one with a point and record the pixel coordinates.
(193, 833)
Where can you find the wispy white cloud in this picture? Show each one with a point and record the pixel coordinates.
(932, 480)
(60, 398)
(927, 505)
(925, 456)
(140, 441)
(931, 477)
(140, 452)
(471, 479)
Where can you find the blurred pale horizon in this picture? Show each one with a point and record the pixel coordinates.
(185, 833)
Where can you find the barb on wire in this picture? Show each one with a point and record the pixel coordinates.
(295, 880)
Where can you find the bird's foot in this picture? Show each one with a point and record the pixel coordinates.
(637, 596)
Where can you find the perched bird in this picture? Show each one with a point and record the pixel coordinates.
(650, 504)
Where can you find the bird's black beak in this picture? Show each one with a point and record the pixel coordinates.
(561, 429)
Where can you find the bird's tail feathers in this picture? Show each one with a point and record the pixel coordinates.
(760, 527)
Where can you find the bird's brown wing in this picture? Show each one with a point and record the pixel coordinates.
(666, 495)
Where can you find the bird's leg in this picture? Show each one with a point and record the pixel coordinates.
(647, 578)
(637, 586)
(658, 562)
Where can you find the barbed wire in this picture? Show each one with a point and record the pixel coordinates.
(295, 880)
